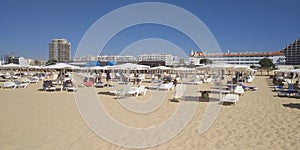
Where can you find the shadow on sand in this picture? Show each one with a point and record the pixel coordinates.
(292, 105)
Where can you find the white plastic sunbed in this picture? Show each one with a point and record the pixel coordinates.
(20, 84)
(9, 85)
(194, 82)
(136, 91)
(239, 90)
(207, 80)
(233, 98)
(166, 86)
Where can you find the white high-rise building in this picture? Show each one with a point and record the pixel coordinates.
(60, 50)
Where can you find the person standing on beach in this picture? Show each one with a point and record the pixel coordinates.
(99, 76)
(175, 83)
(107, 77)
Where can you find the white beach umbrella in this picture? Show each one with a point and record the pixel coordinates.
(184, 69)
(214, 67)
(98, 68)
(61, 66)
(240, 68)
(129, 66)
(11, 66)
(295, 70)
(35, 67)
(161, 68)
(284, 70)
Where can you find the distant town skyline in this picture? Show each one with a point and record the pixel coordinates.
(27, 27)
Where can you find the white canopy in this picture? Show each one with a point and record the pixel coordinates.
(11, 66)
(284, 70)
(98, 68)
(129, 66)
(214, 66)
(35, 67)
(61, 66)
(184, 69)
(161, 68)
(296, 70)
(240, 68)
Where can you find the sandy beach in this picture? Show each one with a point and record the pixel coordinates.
(37, 120)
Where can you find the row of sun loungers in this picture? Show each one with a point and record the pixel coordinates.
(287, 92)
(14, 84)
(130, 91)
(67, 85)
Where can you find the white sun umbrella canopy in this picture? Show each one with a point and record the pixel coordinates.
(61, 66)
(35, 67)
(295, 70)
(129, 66)
(161, 68)
(98, 68)
(241, 68)
(184, 69)
(214, 67)
(11, 66)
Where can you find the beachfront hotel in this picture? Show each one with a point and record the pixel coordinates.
(292, 53)
(242, 58)
(150, 59)
(60, 50)
(167, 58)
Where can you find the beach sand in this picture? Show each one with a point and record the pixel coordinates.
(33, 120)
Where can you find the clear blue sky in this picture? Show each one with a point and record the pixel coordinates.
(27, 26)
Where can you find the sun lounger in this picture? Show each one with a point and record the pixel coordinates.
(278, 87)
(290, 91)
(250, 79)
(9, 85)
(136, 91)
(194, 82)
(207, 80)
(69, 86)
(297, 95)
(99, 84)
(232, 98)
(166, 86)
(120, 93)
(287, 92)
(20, 84)
(48, 86)
(29, 80)
(89, 83)
(2, 79)
(253, 88)
(239, 90)
(154, 86)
